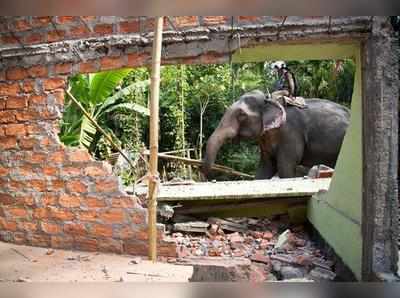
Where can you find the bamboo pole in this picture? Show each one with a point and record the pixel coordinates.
(198, 163)
(153, 174)
(98, 127)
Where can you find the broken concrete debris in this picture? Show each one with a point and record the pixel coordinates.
(272, 250)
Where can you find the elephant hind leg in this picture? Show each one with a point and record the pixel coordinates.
(266, 169)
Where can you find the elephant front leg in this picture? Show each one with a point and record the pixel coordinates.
(266, 169)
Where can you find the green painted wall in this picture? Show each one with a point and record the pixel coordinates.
(337, 213)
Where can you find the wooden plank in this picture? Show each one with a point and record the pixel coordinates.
(240, 190)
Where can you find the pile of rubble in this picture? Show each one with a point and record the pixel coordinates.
(273, 250)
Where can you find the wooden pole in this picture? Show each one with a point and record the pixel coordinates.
(153, 174)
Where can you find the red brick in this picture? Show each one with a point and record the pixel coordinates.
(75, 229)
(9, 39)
(186, 21)
(21, 25)
(7, 117)
(103, 29)
(167, 250)
(124, 202)
(69, 201)
(2, 104)
(38, 71)
(111, 63)
(41, 213)
(6, 199)
(110, 245)
(129, 27)
(34, 38)
(15, 130)
(84, 243)
(41, 21)
(49, 199)
(25, 170)
(16, 103)
(249, 18)
(57, 157)
(64, 241)
(38, 185)
(26, 200)
(214, 20)
(88, 18)
(63, 68)
(28, 86)
(126, 232)
(87, 215)
(36, 158)
(33, 129)
(9, 89)
(101, 230)
(51, 84)
(139, 217)
(79, 155)
(27, 226)
(37, 99)
(109, 185)
(41, 240)
(95, 203)
(70, 171)
(8, 225)
(112, 216)
(136, 60)
(95, 171)
(18, 212)
(79, 31)
(59, 95)
(54, 35)
(90, 66)
(142, 235)
(4, 171)
(27, 143)
(16, 73)
(8, 143)
(16, 185)
(61, 214)
(49, 170)
(76, 186)
(20, 238)
(65, 19)
(136, 248)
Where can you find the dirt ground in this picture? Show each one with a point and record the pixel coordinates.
(25, 264)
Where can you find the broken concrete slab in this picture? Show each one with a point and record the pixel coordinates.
(219, 269)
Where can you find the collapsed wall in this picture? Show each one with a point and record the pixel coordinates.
(54, 196)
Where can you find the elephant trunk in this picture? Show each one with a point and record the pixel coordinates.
(214, 143)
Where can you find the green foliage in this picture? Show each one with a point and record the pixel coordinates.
(190, 97)
(95, 93)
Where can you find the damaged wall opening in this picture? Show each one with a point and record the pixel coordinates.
(57, 196)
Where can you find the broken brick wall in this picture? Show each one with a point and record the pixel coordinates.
(54, 196)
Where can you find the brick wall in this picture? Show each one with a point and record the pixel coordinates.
(60, 197)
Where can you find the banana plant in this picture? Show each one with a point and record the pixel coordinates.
(99, 95)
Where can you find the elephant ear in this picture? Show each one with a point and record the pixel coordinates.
(274, 115)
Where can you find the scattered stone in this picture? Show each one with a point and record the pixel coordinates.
(282, 239)
(268, 235)
(258, 273)
(322, 274)
(304, 260)
(260, 259)
(220, 269)
(289, 272)
(50, 252)
(23, 279)
(135, 261)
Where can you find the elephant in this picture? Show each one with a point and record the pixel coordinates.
(288, 136)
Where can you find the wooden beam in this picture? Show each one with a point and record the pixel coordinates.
(198, 163)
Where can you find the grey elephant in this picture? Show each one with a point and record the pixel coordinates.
(288, 136)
